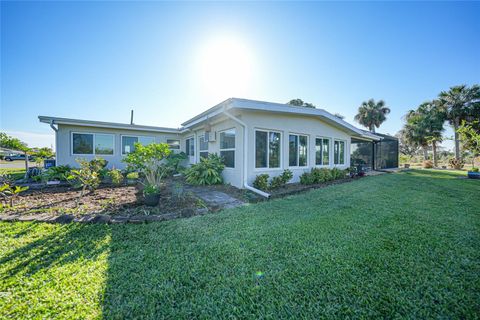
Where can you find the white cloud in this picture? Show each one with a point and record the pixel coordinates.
(34, 139)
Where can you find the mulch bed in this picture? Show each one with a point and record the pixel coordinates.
(107, 200)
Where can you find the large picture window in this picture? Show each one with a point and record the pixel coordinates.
(322, 155)
(227, 147)
(298, 150)
(339, 152)
(267, 149)
(92, 143)
(190, 147)
(202, 147)
(128, 142)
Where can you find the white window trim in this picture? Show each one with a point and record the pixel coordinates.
(132, 136)
(329, 151)
(93, 134)
(229, 149)
(344, 152)
(298, 150)
(268, 153)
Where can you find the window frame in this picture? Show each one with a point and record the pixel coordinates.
(132, 136)
(298, 150)
(187, 151)
(344, 152)
(267, 168)
(322, 150)
(228, 149)
(200, 150)
(93, 146)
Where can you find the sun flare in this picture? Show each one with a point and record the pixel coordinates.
(225, 67)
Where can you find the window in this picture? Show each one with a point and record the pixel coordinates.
(173, 144)
(298, 150)
(339, 152)
(227, 147)
(128, 142)
(322, 151)
(202, 147)
(190, 147)
(267, 149)
(92, 143)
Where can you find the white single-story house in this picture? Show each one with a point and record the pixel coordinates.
(253, 137)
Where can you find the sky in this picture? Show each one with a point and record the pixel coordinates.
(171, 61)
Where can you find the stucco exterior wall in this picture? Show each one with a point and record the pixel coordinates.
(232, 176)
(286, 124)
(64, 143)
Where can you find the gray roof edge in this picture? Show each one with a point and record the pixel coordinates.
(102, 124)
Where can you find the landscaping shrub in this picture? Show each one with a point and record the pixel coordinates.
(207, 172)
(58, 173)
(307, 178)
(320, 175)
(146, 155)
(85, 177)
(281, 180)
(132, 176)
(116, 176)
(173, 161)
(261, 182)
(456, 164)
(427, 164)
(338, 174)
(9, 192)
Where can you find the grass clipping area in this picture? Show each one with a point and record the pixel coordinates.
(395, 245)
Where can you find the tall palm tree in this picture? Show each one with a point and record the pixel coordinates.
(460, 103)
(372, 114)
(425, 126)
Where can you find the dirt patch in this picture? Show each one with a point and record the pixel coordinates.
(294, 188)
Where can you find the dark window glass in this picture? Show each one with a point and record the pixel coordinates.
(104, 144)
(128, 144)
(260, 149)
(274, 150)
(326, 152)
(318, 151)
(227, 139)
(173, 144)
(342, 153)
(82, 143)
(303, 152)
(228, 158)
(293, 150)
(190, 147)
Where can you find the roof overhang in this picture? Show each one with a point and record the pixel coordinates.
(253, 105)
(108, 125)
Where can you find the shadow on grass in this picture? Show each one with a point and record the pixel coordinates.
(64, 245)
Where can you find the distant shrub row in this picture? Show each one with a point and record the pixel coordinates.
(320, 175)
(261, 181)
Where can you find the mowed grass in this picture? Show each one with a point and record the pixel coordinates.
(395, 246)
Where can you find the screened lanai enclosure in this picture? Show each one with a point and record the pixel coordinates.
(376, 155)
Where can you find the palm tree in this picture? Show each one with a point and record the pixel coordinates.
(372, 114)
(425, 126)
(460, 103)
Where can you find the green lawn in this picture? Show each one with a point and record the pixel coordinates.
(14, 173)
(396, 246)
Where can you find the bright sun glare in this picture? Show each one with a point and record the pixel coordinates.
(225, 67)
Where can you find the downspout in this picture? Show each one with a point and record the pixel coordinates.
(245, 157)
(56, 140)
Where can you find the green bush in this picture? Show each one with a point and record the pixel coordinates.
(59, 173)
(261, 182)
(116, 176)
(338, 174)
(173, 161)
(85, 177)
(144, 156)
(132, 175)
(281, 180)
(207, 172)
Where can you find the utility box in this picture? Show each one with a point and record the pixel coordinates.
(48, 163)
